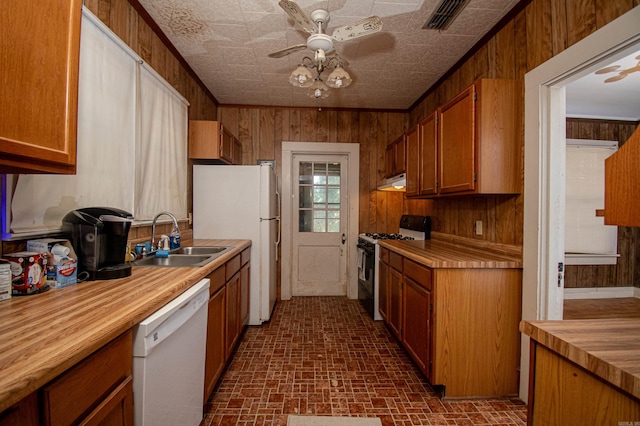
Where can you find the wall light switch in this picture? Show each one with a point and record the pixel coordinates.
(478, 227)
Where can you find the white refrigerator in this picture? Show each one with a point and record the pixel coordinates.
(242, 202)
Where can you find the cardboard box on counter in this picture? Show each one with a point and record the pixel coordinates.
(62, 263)
(5, 280)
(27, 272)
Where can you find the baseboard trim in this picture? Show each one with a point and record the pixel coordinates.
(601, 292)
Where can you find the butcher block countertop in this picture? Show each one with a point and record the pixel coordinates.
(608, 348)
(43, 335)
(443, 251)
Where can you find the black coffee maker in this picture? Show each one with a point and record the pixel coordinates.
(99, 237)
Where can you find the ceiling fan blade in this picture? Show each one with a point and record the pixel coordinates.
(607, 69)
(356, 29)
(287, 51)
(298, 15)
(615, 78)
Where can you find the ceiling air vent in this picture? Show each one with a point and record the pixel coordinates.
(444, 14)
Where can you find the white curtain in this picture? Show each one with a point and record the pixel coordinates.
(106, 141)
(161, 184)
(584, 231)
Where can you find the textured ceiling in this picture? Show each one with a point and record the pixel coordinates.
(226, 42)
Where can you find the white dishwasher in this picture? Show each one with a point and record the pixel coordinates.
(168, 361)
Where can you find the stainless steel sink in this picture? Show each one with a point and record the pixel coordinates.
(174, 260)
(190, 256)
(191, 250)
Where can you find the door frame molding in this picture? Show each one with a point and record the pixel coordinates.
(352, 151)
(544, 168)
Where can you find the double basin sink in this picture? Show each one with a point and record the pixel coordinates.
(191, 256)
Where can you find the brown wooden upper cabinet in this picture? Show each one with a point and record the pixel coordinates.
(422, 158)
(210, 140)
(39, 85)
(468, 146)
(396, 153)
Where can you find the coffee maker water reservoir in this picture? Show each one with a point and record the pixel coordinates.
(99, 236)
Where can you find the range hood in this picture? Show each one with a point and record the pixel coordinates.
(396, 183)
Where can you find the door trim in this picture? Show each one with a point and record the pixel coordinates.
(352, 151)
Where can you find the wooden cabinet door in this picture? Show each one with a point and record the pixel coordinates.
(216, 345)
(237, 151)
(428, 155)
(416, 330)
(226, 145)
(456, 144)
(394, 315)
(39, 85)
(68, 398)
(115, 410)
(23, 413)
(233, 313)
(245, 294)
(413, 161)
(396, 157)
(383, 290)
(390, 160)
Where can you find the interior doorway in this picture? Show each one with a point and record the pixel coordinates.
(320, 187)
(545, 116)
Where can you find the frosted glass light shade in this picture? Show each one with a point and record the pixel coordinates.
(339, 78)
(301, 77)
(318, 90)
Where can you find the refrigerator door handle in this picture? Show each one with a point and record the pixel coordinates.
(278, 237)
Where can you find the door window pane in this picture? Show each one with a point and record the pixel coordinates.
(319, 189)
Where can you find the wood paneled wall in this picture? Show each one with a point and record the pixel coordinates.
(542, 30)
(262, 131)
(627, 270)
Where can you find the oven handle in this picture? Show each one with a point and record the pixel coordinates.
(366, 248)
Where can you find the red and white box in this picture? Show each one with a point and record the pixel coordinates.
(62, 263)
(28, 272)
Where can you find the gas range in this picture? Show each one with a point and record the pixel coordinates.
(411, 228)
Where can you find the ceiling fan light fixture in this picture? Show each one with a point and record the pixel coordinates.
(301, 77)
(339, 78)
(318, 90)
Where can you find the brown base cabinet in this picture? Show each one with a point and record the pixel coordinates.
(460, 326)
(99, 390)
(228, 315)
(96, 391)
(565, 394)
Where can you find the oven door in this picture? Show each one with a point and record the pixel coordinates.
(366, 276)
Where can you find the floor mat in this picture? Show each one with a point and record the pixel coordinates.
(332, 421)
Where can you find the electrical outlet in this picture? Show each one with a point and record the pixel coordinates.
(478, 227)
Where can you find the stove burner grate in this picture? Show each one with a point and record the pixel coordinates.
(385, 236)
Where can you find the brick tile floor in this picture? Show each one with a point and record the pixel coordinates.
(325, 356)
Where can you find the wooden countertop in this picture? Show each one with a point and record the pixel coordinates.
(43, 335)
(608, 348)
(437, 253)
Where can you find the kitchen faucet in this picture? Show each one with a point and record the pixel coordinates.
(153, 227)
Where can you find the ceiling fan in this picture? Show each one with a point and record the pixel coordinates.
(621, 73)
(321, 44)
(314, 25)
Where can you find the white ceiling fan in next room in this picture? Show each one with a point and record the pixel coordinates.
(321, 44)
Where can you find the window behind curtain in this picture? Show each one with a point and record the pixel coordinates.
(584, 231)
